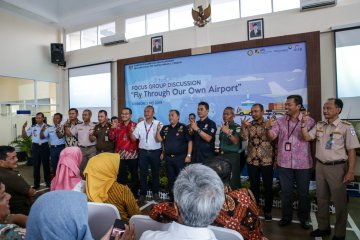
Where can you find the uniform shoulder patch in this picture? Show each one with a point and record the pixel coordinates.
(352, 131)
(346, 122)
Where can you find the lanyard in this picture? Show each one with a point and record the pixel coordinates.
(147, 131)
(289, 135)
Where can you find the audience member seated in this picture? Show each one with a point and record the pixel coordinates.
(16, 186)
(59, 215)
(101, 185)
(9, 223)
(239, 211)
(199, 196)
(68, 171)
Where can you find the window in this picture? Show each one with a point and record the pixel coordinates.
(73, 41)
(106, 30)
(157, 22)
(90, 87)
(281, 5)
(135, 27)
(23, 94)
(255, 7)
(222, 10)
(89, 37)
(180, 17)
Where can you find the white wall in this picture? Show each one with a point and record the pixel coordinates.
(276, 24)
(25, 48)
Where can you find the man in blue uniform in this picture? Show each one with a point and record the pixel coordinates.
(40, 149)
(177, 145)
(204, 135)
(56, 136)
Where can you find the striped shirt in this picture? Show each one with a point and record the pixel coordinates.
(123, 199)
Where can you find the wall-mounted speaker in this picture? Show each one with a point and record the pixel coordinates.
(57, 54)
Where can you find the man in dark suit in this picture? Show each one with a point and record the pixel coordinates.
(157, 46)
(255, 32)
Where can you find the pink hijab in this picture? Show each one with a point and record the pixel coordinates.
(67, 172)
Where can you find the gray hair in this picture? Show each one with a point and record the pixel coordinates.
(199, 195)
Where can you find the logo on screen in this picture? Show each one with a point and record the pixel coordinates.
(250, 52)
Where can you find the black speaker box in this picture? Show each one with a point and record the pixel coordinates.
(57, 53)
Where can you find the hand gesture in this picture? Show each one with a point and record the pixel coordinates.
(132, 129)
(305, 117)
(91, 132)
(66, 124)
(193, 125)
(159, 127)
(188, 159)
(225, 128)
(25, 125)
(43, 127)
(245, 122)
(270, 122)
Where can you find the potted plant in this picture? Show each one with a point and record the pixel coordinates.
(23, 148)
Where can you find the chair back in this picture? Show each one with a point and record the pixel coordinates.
(143, 223)
(225, 233)
(101, 217)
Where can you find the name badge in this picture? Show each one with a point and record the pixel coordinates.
(287, 146)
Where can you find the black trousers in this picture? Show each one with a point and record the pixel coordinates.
(41, 154)
(266, 173)
(152, 158)
(287, 178)
(173, 167)
(129, 165)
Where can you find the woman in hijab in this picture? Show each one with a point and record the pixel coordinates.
(59, 215)
(101, 185)
(68, 172)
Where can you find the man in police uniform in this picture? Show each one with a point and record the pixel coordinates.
(40, 149)
(177, 145)
(56, 136)
(101, 134)
(204, 135)
(336, 142)
(230, 145)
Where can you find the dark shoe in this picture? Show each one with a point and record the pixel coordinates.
(305, 225)
(267, 217)
(156, 197)
(141, 200)
(338, 238)
(283, 222)
(320, 233)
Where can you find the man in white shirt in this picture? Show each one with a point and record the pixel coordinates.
(199, 196)
(149, 152)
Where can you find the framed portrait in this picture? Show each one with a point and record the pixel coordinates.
(157, 45)
(255, 29)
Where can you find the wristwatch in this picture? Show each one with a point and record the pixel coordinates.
(189, 155)
(198, 131)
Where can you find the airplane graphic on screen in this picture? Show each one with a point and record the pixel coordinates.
(279, 91)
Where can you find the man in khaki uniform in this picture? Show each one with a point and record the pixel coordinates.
(336, 142)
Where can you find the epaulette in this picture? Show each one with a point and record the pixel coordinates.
(48, 125)
(346, 122)
(323, 122)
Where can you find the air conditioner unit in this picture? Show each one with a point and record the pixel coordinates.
(314, 4)
(118, 38)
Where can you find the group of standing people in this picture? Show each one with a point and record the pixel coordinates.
(282, 143)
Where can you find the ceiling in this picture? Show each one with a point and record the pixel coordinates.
(72, 13)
